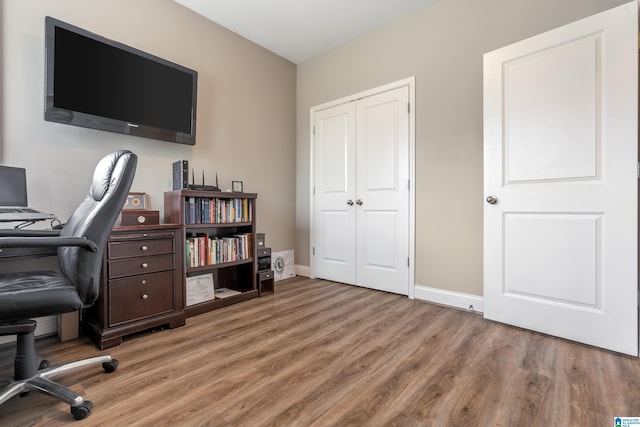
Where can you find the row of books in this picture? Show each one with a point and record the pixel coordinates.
(205, 210)
(202, 249)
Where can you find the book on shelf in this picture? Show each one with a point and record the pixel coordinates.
(190, 210)
(226, 292)
(245, 243)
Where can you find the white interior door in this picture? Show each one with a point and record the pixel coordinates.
(560, 239)
(361, 192)
(334, 194)
(382, 191)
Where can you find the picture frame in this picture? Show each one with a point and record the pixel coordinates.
(138, 201)
(236, 186)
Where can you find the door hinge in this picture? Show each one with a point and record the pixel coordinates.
(314, 130)
(409, 185)
(408, 262)
(409, 107)
(313, 251)
(313, 190)
(638, 170)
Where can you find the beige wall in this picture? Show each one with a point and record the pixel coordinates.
(253, 115)
(246, 108)
(1, 59)
(442, 45)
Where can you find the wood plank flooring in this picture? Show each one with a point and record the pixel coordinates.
(318, 353)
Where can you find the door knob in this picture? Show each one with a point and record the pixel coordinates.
(350, 202)
(359, 202)
(492, 200)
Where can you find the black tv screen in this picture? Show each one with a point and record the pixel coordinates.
(101, 84)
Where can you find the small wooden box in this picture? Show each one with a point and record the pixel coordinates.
(264, 252)
(266, 282)
(138, 217)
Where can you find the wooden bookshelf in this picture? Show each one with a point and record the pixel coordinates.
(219, 237)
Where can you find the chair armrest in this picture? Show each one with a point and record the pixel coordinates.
(18, 232)
(47, 242)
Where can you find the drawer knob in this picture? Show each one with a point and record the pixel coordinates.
(144, 265)
(144, 248)
(144, 281)
(145, 297)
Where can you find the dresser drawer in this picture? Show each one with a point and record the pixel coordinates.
(265, 275)
(142, 265)
(141, 296)
(264, 252)
(138, 248)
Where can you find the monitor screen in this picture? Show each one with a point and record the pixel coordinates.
(98, 83)
(13, 186)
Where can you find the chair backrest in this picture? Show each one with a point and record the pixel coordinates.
(93, 219)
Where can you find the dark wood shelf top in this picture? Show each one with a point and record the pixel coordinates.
(217, 225)
(203, 307)
(213, 194)
(119, 228)
(210, 267)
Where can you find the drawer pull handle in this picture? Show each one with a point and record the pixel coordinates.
(144, 248)
(145, 297)
(144, 265)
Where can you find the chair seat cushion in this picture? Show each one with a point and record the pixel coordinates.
(36, 293)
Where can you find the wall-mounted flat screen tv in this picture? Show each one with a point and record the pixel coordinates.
(101, 84)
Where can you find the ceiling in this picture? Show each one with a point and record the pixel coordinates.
(301, 29)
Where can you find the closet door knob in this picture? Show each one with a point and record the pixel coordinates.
(359, 202)
(350, 202)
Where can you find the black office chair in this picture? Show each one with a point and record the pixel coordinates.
(80, 248)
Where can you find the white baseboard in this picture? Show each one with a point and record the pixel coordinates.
(424, 293)
(450, 298)
(302, 270)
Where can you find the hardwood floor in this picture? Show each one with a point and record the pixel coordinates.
(318, 353)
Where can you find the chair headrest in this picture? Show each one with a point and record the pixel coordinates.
(103, 176)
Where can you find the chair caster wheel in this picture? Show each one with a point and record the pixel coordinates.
(44, 364)
(110, 366)
(82, 411)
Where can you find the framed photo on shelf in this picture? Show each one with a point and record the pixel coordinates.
(136, 201)
(236, 186)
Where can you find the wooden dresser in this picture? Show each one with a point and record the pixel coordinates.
(141, 286)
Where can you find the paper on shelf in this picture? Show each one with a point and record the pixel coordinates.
(199, 288)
